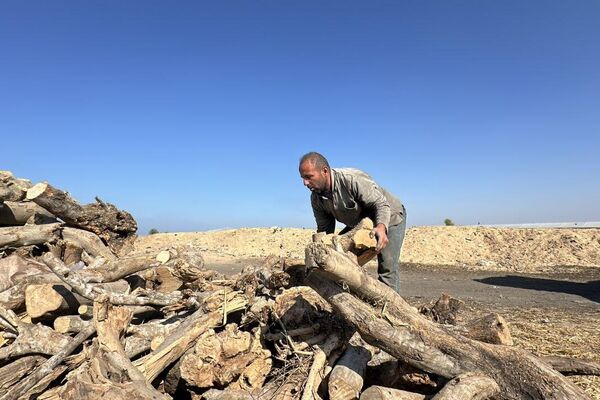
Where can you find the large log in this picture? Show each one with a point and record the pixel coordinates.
(117, 228)
(11, 188)
(17, 236)
(397, 328)
(347, 377)
(21, 213)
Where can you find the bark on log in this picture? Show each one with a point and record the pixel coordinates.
(572, 366)
(17, 236)
(89, 242)
(385, 393)
(47, 367)
(52, 300)
(117, 228)
(468, 386)
(92, 292)
(21, 213)
(347, 377)
(13, 372)
(491, 328)
(398, 329)
(70, 324)
(11, 188)
(315, 375)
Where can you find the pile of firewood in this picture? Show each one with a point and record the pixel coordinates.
(82, 316)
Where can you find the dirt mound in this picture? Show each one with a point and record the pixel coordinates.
(500, 249)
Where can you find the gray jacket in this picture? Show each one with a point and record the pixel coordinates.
(355, 195)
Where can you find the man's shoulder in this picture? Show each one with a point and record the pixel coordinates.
(349, 173)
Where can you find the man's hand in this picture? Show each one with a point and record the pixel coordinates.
(379, 232)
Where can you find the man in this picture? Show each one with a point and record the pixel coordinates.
(349, 195)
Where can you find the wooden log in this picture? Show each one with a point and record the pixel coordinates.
(469, 386)
(70, 324)
(11, 188)
(16, 236)
(315, 374)
(347, 377)
(92, 292)
(13, 372)
(572, 366)
(384, 393)
(89, 242)
(47, 367)
(29, 338)
(51, 299)
(445, 310)
(117, 228)
(400, 330)
(72, 253)
(21, 213)
(491, 328)
(182, 338)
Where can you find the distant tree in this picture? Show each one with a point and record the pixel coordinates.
(153, 231)
(448, 222)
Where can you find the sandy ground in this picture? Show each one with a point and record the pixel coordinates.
(545, 282)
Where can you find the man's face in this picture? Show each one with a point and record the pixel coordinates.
(315, 179)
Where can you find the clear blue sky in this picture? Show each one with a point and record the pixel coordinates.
(192, 115)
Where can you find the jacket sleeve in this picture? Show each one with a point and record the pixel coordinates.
(325, 221)
(372, 198)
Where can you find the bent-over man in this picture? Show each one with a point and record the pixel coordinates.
(349, 195)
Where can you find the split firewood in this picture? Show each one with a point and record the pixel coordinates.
(21, 213)
(16, 236)
(347, 377)
(13, 372)
(469, 386)
(398, 329)
(117, 228)
(384, 393)
(11, 188)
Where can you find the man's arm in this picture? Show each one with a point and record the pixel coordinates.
(325, 221)
(372, 198)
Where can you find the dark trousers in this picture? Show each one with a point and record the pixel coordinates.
(388, 267)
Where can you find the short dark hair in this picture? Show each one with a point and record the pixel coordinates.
(316, 159)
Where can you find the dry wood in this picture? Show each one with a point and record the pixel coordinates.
(21, 213)
(51, 299)
(88, 241)
(71, 253)
(13, 372)
(445, 310)
(16, 236)
(11, 188)
(92, 292)
(572, 366)
(47, 367)
(117, 228)
(384, 393)
(347, 377)
(469, 386)
(315, 375)
(182, 338)
(491, 328)
(398, 329)
(29, 338)
(70, 324)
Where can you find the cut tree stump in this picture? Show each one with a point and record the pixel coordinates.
(117, 228)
